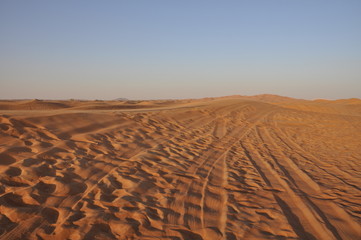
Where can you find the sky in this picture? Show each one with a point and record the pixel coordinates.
(165, 49)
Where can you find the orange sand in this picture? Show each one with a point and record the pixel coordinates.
(262, 167)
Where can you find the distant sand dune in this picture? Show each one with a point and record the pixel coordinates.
(261, 167)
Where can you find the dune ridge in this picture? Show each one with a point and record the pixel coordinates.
(261, 167)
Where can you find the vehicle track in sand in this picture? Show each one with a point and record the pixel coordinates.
(224, 169)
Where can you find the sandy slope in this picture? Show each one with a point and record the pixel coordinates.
(230, 168)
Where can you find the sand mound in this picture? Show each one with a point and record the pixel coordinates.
(31, 105)
(227, 168)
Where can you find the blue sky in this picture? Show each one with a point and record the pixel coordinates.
(179, 49)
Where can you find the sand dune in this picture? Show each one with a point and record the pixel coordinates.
(263, 167)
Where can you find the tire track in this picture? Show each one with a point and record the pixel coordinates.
(292, 145)
(300, 217)
(198, 192)
(311, 193)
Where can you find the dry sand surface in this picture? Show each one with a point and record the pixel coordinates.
(263, 167)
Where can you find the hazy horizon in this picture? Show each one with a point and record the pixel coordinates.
(177, 50)
(150, 99)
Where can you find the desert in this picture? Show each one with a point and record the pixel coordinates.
(180, 120)
(236, 167)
